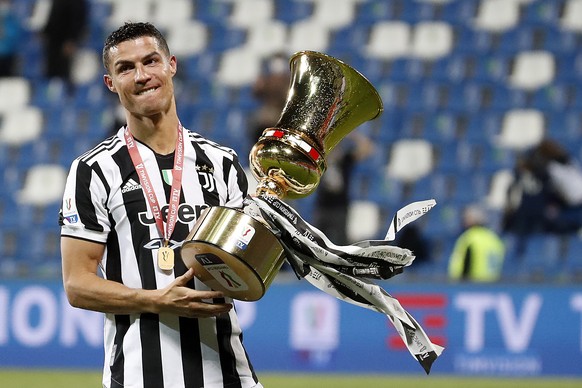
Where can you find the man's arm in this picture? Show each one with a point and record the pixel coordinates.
(86, 290)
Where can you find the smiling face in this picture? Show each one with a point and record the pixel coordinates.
(141, 73)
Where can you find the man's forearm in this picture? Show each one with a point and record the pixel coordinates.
(91, 292)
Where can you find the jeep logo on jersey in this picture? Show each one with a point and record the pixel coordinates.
(186, 214)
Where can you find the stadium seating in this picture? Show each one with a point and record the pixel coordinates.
(471, 82)
(389, 40)
(187, 39)
(245, 14)
(20, 125)
(167, 14)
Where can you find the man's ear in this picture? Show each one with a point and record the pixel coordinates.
(109, 83)
(173, 64)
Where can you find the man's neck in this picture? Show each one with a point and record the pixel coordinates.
(159, 135)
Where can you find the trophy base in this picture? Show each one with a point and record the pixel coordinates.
(233, 253)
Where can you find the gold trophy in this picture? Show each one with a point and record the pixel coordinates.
(231, 251)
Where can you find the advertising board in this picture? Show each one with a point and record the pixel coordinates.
(486, 330)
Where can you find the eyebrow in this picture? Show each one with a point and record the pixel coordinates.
(121, 62)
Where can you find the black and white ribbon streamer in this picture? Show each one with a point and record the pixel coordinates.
(345, 271)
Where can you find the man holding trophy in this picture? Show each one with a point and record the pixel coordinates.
(164, 214)
(127, 206)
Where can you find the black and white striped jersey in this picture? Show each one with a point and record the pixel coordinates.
(104, 202)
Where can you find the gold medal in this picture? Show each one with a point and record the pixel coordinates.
(166, 258)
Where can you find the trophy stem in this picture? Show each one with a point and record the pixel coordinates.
(270, 187)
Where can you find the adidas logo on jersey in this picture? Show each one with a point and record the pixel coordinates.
(130, 185)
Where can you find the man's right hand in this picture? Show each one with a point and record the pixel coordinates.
(179, 299)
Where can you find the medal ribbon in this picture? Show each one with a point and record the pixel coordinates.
(148, 189)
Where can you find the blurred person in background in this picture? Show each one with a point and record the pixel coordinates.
(127, 206)
(11, 32)
(478, 253)
(270, 90)
(564, 210)
(62, 35)
(332, 196)
(546, 194)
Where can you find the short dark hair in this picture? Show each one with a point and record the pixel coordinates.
(131, 31)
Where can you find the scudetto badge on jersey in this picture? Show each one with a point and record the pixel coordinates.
(167, 175)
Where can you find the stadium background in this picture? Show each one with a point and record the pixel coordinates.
(466, 85)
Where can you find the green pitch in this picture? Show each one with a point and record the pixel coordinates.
(78, 379)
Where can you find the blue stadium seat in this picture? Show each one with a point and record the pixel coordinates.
(94, 96)
(292, 11)
(198, 69)
(471, 40)
(556, 96)
(543, 259)
(552, 38)
(493, 68)
(221, 37)
(448, 158)
(388, 127)
(210, 11)
(470, 186)
(573, 261)
(565, 127)
(369, 12)
(10, 265)
(456, 67)
(459, 12)
(483, 126)
(444, 126)
(511, 270)
(31, 53)
(463, 97)
(493, 158)
(366, 176)
(415, 11)
(385, 191)
(395, 94)
(534, 36)
(348, 38)
(568, 67)
(41, 250)
(47, 94)
(444, 220)
(96, 31)
(12, 178)
(546, 12)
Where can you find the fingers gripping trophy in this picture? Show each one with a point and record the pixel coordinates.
(240, 255)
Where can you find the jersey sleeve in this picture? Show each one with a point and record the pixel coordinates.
(237, 183)
(83, 213)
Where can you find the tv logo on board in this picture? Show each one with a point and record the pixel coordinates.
(497, 333)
